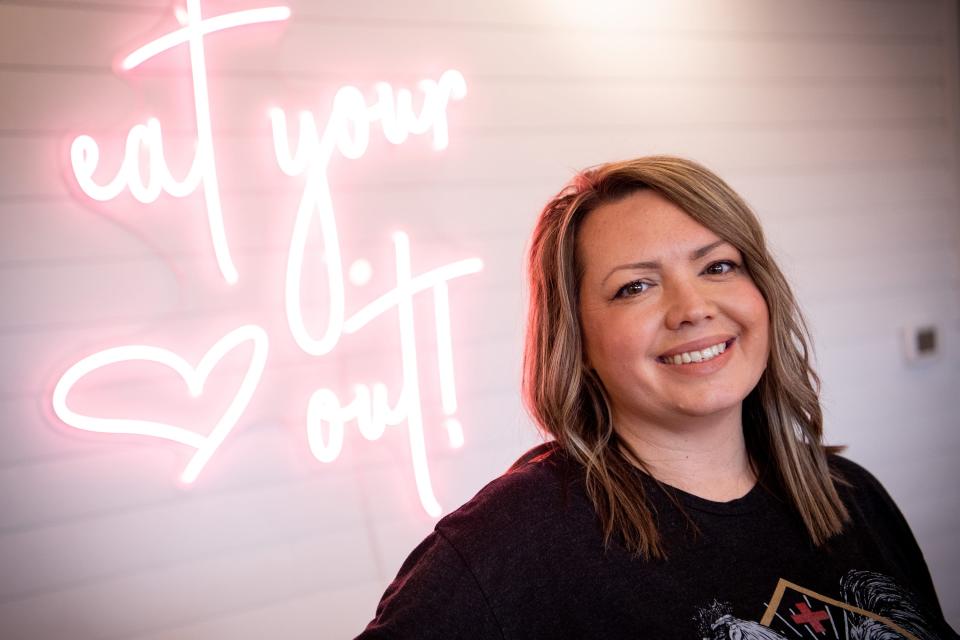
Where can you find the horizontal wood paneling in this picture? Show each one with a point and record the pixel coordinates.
(126, 543)
(185, 593)
(334, 613)
(36, 102)
(836, 119)
(880, 18)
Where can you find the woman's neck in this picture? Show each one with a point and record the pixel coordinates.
(706, 457)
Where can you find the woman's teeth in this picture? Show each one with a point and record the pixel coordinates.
(695, 356)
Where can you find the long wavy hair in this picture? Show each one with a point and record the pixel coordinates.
(782, 419)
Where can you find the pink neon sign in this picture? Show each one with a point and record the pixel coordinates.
(346, 133)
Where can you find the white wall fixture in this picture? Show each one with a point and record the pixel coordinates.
(921, 342)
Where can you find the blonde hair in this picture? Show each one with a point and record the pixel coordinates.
(782, 419)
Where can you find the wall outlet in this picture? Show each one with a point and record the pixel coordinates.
(921, 342)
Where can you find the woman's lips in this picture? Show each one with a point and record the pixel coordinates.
(699, 345)
(706, 366)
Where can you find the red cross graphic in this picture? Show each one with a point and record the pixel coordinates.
(807, 616)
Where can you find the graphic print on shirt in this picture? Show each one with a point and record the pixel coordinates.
(873, 607)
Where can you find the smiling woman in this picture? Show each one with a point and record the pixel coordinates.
(685, 491)
(678, 342)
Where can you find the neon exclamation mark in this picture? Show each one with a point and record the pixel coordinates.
(448, 385)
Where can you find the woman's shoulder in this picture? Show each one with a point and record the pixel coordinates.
(543, 484)
(868, 502)
(849, 473)
(876, 518)
(854, 480)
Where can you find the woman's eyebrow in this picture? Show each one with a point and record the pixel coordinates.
(656, 264)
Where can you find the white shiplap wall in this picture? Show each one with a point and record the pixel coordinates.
(838, 120)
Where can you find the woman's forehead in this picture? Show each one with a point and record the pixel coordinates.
(642, 227)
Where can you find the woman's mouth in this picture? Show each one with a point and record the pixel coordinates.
(702, 355)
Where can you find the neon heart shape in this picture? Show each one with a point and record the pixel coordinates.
(195, 378)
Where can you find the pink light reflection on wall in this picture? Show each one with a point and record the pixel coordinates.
(85, 153)
(194, 377)
(346, 133)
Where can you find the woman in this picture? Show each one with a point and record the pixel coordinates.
(686, 492)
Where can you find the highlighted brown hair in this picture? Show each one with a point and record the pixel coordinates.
(782, 419)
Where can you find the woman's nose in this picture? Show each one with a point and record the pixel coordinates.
(688, 303)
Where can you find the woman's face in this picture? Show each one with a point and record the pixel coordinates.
(657, 287)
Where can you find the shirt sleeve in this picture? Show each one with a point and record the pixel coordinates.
(883, 513)
(435, 595)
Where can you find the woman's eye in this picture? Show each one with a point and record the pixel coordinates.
(632, 289)
(721, 268)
